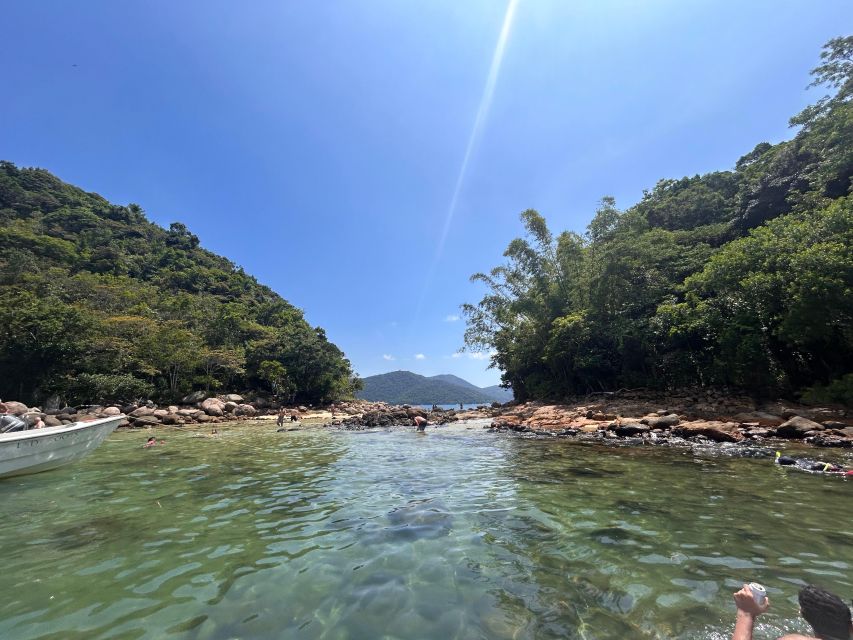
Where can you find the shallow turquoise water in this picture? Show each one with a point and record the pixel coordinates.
(454, 534)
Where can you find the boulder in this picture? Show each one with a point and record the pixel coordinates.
(244, 410)
(140, 412)
(111, 411)
(762, 418)
(15, 408)
(797, 427)
(188, 413)
(172, 418)
(661, 422)
(52, 421)
(212, 402)
(214, 410)
(260, 403)
(230, 407)
(713, 430)
(172, 408)
(129, 408)
(194, 397)
(160, 413)
(233, 397)
(631, 429)
(203, 417)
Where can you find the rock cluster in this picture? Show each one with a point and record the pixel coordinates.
(704, 416)
(196, 408)
(381, 414)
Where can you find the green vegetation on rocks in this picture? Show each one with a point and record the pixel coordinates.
(739, 278)
(97, 304)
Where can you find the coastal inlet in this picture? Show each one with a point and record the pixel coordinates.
(456, 533)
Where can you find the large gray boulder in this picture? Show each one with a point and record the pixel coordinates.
(194, 397)
(245, 410)
(233, 397)
(798, 427)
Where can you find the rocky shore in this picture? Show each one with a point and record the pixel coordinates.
(700, 416)
(696, 416)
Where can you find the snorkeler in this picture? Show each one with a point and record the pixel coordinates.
(813, 466)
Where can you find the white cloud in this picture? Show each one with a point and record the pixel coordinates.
(482, 355)
(387, 356)
(456, 355)
(420, 356)
(451, 318)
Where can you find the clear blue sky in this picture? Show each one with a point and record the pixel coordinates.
(319, 144)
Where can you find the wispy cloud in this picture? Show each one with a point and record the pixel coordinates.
(451, 318)
(420, 356)
(481, 355)
(456, 355)
(387, 356)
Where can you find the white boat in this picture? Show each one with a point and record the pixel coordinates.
(36, 450)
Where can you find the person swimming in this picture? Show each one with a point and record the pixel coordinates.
(813, 466)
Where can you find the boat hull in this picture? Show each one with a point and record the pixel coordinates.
(38, 450)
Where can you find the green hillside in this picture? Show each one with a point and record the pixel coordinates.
(405, 387)
(740, 278)
(97, 303)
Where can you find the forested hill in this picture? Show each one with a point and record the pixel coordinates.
(740, 278)
(405, 387)
(97, 303)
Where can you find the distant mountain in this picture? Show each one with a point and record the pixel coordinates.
(499, 393)
(405, 387)
(495, 392)
(447, 377)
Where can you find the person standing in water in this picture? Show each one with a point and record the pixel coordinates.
(420, 422)
(280, 420)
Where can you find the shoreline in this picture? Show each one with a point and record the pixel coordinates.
(630, 417)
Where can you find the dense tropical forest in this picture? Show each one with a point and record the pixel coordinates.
(97, 303)
(740, 278)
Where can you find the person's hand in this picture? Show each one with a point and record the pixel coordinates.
(746, 603)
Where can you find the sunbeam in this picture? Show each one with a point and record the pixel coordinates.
(476, 130)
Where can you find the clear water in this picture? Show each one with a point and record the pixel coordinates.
(453, 534)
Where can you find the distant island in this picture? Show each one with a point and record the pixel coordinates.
(405, 387)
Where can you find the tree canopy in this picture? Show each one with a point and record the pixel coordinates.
(737, 278)
(97, 303)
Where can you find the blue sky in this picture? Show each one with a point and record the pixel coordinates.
(319, 144)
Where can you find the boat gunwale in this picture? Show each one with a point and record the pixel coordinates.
(73, 427)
